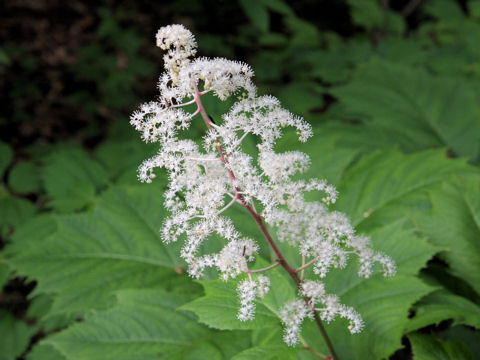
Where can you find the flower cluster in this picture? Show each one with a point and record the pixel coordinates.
(248, 290)
(206, 180)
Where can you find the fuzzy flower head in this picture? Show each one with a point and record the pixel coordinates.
(207, 176)
(181, 45)
(328, 305)
(292, 316)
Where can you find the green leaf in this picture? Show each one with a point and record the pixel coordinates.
(13, 212)
(427, 347)
(382, 302)
(40, 306)
(14, 336)
(468, 336)
(6, 155)
(443, 305)
(257, 13)
(444, 10)
(122, 158)
(333, 161)
(279, 6)
(44, 352)
(337, 63)
(329, 160)
(384, 184)
(144, 324)
(219, 308)
(72, 179)
(474, 9)
(268, 352)
(222, 296)
(454, 225)
(301, 97)
(416, 109)
(366, 13)
(24, 178)
(118, 246)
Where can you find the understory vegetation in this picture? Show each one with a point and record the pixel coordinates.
(392, 91)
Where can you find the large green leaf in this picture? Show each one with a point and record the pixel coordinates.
(366, 13)
(24, 178)
(222, 297)
(302, 98)
(443, 305)
(385, 184)
(72, 179)
(268, 352)
(83, 258)
(144, 324)
(454, 224)
(328, 160)
(427, 347)
(416, 109)
(384, 303)
(257, 13)
(121, 158)
(14, 336)
(44, 352)
(14, 211)
(444, 10)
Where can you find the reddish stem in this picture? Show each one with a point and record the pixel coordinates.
(258, 219)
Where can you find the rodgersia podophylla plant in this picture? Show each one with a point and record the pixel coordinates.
(205, 181)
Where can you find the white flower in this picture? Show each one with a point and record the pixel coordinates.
(315, 291)
(233, 258)
(292, 316)
(207, 176)
(247, 292)
(263, 285)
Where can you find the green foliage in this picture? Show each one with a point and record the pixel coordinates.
(13, 212)
(114, 63)
(428, 347)
(396, 121)
(221, 296)
(72, 179)
(117, 246)
(399, 183)
(366, 13)
(383, 303)
(24, 178)
(267, 352)
(6, 155)
(15, 336)
(414, 109)
(455, 214)
(441, 305)
(142, 324)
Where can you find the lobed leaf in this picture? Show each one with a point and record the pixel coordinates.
(385, 184)
(454, 224)
(144, 324)
(442, 305)
(222, 296)
(72, 179)
(83, 258)
(417, 110)
(427, 347)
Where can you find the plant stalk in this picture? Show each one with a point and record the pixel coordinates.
(258, 219)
